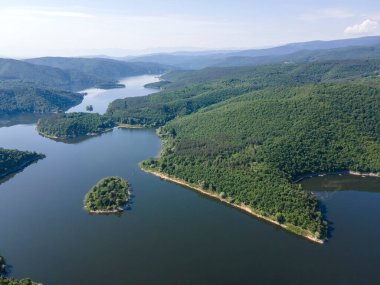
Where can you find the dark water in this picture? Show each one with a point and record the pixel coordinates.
(171, 235)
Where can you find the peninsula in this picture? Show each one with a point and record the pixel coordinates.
(12, 160)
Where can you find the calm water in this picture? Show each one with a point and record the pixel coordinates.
(100, 98)
(171, 235)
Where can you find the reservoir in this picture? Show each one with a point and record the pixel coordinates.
(170, 235)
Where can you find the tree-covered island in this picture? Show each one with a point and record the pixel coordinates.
(109, 195)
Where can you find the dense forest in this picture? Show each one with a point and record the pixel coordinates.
(251, 147)
(20, 97)
(107, 69)
(193, 90)
(247, 133)
(71, 125)
(46, 85)
(12, 160)
(109, 195)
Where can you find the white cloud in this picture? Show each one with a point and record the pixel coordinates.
(365, 27)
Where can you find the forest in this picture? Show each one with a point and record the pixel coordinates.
(190, 91)
(72, 125)
(110, 194)
(253, 146)
(12, 160)
(21, 97)
(248, 133)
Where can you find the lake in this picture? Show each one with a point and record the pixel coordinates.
(171, 235)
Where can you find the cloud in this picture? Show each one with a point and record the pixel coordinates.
(330, 13)
(365, 27)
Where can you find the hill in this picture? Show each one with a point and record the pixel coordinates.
(199, 60)
(20, 97)
(193, 90)
(101, 67)
(46, 76)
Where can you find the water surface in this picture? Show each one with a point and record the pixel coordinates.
(100, 98)
(171, 235)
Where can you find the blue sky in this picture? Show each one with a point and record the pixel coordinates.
(41, 27)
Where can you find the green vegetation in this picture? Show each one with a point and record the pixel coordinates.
(193, 90)
(89, 108)
(158, 85)
(11, 281)
(36, 85)
(12, 160)
(107, 69)
(110, 85)
(20, 97)
(72, 125)
(357, 48)
(109, 195)
(247, 133)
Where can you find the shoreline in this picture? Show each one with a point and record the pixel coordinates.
(343, 172)
(244, 208)
(20, 167)
(116, 211)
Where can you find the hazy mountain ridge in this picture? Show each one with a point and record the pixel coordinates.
(288, 52)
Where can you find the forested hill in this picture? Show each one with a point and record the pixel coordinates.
(356, 48)
(250, 148)
(21, 97)
(247, 133)
(192, 90)
(100, 67)
(344, 53)
(46, 76)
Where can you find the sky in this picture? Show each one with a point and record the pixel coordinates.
(129, 27)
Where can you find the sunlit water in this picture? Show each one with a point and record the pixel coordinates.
(100, 98)
(171, 235)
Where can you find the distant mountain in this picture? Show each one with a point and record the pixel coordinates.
(313, 45)
(198, 60)
(353, 52)
(46, 76)
(104, 68)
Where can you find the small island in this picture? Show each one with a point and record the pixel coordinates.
(108, 196)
